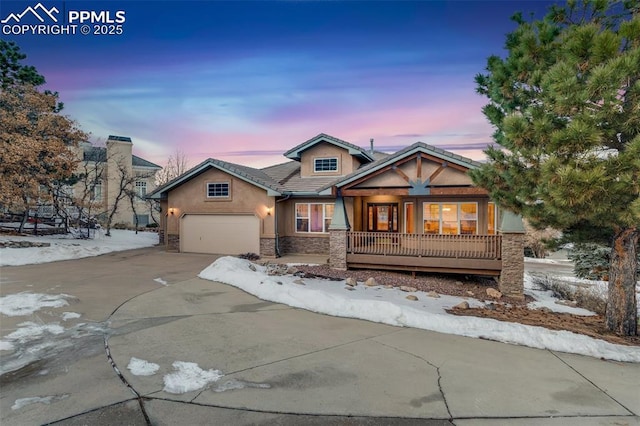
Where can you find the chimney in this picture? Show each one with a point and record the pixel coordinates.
(371, 141)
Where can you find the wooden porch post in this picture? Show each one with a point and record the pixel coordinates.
(338, 236)
(511, 282)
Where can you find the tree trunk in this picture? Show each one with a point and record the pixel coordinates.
(23, 222)
(622, 314)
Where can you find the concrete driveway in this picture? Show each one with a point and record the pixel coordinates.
(281, 365)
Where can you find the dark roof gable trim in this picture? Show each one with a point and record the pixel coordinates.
(295, 153)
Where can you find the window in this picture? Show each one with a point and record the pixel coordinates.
(492, 218)
(313, 217)
(141, 188)
(450, 218)
(325, 165)
(218, 190)
(96, 191)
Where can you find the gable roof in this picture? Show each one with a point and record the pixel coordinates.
(248, 174)
(295, 153)
(418, 147)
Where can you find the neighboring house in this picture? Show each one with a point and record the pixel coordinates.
(109, 168)
(414, 210)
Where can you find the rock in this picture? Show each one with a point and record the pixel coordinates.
(545, 309)
(433, 294)
(371, 282)
(412, 297)
(408, 289)
(459, 283)
(279, 282)
(462, 305)
(492, 292)
(388, 286)
(351, 282)
(470, 293)
(490, 306)
(298, 281)
(570, 303)
(349, 288)
(292, 270)
(252, 267)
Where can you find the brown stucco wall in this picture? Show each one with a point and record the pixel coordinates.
(190, 198)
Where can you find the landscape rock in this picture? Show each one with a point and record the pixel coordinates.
(570, 303)
(408, 289)
(351, 282)
(412, 297)
(492, 292)
(299, 281)
(349, 288)
(470, 293)
(292, 270)
(252, 267)
(433, 294)
(371, 282)
(462, 305)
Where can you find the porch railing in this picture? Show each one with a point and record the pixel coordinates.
(425, 245)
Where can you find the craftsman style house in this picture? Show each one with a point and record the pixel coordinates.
(415, 210)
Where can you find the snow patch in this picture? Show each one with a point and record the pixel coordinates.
(161, 281)
(6, 346)
(31, 331)
(26, 303)
(64, 247)
(390, 306)
(23, 402)
(140, 367)
(70, 315)
(189, 377)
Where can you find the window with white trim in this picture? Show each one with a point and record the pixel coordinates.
(450, 218)
(141, 188)
(313, 217)
(96, 191)
(218, 190)
(325, 164)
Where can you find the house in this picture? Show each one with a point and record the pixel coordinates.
(105, 171)
(415, 210)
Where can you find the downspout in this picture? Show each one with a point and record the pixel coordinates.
(275, 218)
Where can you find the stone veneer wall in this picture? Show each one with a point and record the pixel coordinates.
(512, 275)
(268, 247)
(338, 250)
(304, 245)
(161, 236)
(173, 242)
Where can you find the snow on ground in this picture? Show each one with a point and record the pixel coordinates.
(25, 303)
(546, 299)
(189, 377)
(70, 315)
(140, 367)
(390, 306)
(65, 247)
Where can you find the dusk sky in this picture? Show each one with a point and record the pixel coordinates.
(245, 81)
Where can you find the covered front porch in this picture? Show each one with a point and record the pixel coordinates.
(466, 254)
(419, 211)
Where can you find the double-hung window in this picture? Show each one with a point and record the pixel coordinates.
(141, 188)
(325, 164)
(313, 217)
(218, 190)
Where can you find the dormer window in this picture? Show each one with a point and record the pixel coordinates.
(325, 165)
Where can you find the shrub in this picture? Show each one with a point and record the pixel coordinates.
(249, 256)
(152, 225)
(591, 261)
(120, 225)
(588, 297)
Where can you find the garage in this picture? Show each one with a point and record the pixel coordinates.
(220, 234)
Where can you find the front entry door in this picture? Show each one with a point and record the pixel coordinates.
(382, 217)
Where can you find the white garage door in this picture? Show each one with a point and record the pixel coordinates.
(220, 234)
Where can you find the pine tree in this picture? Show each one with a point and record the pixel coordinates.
(565, 103)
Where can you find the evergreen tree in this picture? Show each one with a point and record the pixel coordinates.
(565, 103)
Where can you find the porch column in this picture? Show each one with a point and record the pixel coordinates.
(338, 236)
(511, 282)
